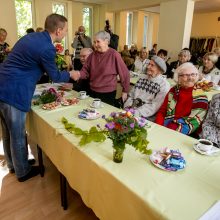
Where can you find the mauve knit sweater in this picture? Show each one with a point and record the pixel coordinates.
(102, 69)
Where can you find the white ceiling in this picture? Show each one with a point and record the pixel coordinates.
(201, 6)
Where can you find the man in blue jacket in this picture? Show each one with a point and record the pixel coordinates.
(31, 56)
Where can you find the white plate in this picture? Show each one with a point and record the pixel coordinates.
(65, 104)
(98, 115)
(213, 151)
(47, 106)
(101, 106)
(79, 97)
(216, 87)
(157, 165)
(160, 166)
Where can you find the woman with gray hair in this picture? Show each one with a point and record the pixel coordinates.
(183, 57)
(209, 71)
(183, 109)
(102, 68)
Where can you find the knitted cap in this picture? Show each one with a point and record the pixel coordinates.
(160, 63)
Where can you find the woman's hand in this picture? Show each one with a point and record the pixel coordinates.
(75, 75)
(124, 96)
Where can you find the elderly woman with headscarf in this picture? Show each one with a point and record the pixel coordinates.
(102, 68)
(183, 57)
(184, 108)
(209, 71)
(148, 93)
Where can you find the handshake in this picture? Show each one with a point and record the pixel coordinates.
(75, 75)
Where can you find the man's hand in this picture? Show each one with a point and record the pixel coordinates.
(75, 75)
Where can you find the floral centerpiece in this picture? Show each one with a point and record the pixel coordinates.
(59, 59)
(48, 96)
(121, 127)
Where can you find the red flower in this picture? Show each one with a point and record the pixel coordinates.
(59, 48)
(118, 126)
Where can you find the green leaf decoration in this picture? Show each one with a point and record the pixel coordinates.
(64, 120)
(134, 136)
(78, 131)
(83, 140)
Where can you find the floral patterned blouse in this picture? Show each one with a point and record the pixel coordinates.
(211, 125)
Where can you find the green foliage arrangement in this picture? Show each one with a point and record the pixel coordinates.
(93, 135)
(48, 96)
(121, 127)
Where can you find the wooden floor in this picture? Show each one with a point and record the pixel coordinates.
(38, 198)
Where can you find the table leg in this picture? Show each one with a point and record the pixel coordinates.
(63, 191)
(40, 161)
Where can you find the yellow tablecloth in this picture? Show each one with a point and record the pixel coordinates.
(134, 189)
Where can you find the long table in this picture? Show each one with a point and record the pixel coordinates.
(134, 189)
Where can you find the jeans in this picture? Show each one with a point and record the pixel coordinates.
(14, 140)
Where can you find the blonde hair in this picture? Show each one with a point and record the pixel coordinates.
(144, 49)
(211, 56)
(182, 68)
(217, 50)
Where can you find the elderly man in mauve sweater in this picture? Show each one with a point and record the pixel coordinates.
(102, 68)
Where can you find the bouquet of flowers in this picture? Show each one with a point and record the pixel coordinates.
(122, 128)
(59, 59)
(48, 96)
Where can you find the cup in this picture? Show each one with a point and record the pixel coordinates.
(82, 94)
(205, 145)
(96, 103)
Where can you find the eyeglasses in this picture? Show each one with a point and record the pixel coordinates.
(188, 75)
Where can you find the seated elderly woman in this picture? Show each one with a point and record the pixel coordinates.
(126, 56)
(184, 108)
(217, 52)
(148, 93)
(102, 68)
(183, 57)
(208, 71)
(141, 62)
(211, 124)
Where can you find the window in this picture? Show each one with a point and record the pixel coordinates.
(59, 8)
(87, 20)
(145, 31)
(24, 16)
(129, 28)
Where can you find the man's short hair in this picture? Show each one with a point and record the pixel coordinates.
(54, 21)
